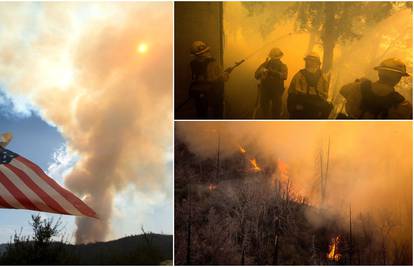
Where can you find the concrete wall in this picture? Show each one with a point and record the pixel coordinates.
(193, 21)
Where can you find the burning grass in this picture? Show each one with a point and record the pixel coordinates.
(260, 218)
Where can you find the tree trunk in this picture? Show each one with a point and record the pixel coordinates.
(242, 258)
(322, 179)
(243, 234)
(218, 159)
(189, 227)
(312, 40)
(329, 36)
(328, 52)
(275, 250)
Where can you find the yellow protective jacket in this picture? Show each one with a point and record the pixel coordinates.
(299, 85)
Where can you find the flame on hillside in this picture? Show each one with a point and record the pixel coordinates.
(255, 167)
(242, 150)
(212, 187)
(334, 254)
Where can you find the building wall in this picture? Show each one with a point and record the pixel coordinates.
(194, 21)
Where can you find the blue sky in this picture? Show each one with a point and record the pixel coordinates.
(36, 140)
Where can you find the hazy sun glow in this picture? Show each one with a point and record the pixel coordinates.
(142, 48)
(66, 78)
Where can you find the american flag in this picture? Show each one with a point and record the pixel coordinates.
(24, 185)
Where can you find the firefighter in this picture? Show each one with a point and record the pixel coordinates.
(207, 86)
(378, 100)
(308, 91)
(272, 75)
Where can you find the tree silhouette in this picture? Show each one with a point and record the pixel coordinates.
(39, 248)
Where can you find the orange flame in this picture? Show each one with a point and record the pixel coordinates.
(283, 171)
(212, 187)
(281, 175)
(242, 150)
(334, 254)
(255, 166)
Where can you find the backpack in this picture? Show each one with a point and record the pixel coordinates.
(199, 69)
(199, 86)
(375, 104)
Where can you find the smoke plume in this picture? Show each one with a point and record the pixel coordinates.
(83, 67)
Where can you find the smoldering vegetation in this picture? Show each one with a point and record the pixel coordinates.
(360, 36)
(289, 193)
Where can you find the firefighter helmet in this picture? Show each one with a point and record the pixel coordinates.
(394, 65)
(275, 53)
(199, 47)
(313, 56)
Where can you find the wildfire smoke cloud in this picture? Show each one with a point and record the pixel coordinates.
(78, 66)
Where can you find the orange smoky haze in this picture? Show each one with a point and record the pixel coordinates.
(252, 34)
(84, 69)
(370, 163)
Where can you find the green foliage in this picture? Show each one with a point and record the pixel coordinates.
(44, 230)
(38, 249)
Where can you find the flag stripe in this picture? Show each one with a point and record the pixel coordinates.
(19, 196)
(4, 204)
(76, 202)
(26, 191)
(9, 198)
(46, 187)
(50, 202)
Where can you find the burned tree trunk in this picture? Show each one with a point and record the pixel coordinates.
(322, 180)
(324, 175)
(218, 159)
(242, 257)
(243, 238)
(275, 250)
(189, 227)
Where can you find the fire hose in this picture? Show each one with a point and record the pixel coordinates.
(238, 63)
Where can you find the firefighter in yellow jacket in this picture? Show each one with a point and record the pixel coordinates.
(308, 91)
(378, 100)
